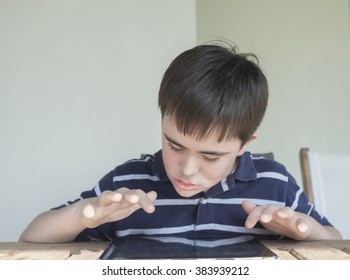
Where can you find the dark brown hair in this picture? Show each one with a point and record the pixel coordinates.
(214, 88)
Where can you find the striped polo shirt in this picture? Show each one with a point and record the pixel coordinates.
(218, 212)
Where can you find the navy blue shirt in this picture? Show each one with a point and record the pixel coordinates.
(218, 212)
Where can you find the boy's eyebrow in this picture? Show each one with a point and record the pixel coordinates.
(214, 153)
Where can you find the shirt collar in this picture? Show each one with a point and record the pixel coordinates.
(158, 167)
(245, 170)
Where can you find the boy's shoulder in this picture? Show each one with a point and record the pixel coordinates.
(262, 163)
(150, 164)
(141, 163)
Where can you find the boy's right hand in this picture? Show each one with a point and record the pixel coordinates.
(113, 206)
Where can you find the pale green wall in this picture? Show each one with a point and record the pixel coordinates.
(304, 48)
(78, 94)
(78, 85)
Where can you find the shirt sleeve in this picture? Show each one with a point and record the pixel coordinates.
(298, 201)
(106, 183)
(101, 233)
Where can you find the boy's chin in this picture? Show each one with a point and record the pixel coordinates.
(187, 194)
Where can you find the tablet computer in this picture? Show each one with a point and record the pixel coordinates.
(171, 247)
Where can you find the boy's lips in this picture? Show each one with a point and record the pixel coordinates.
(185, 185)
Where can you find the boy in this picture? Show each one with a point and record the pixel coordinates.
(202, 182)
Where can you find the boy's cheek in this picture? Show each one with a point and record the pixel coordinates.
(169, 162)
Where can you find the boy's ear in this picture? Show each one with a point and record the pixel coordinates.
(244, 147)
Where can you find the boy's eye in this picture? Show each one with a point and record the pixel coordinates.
(211, 159)
(175, 149)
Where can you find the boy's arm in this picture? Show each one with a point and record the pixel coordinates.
(64, 224)
(286, 222)
(60, 225)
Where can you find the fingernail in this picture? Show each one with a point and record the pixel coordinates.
(302, 227)
(116, 197)
(134, 198)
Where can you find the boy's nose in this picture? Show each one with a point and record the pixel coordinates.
(189, 166)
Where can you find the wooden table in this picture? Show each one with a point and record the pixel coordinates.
(286, 250)
(311, 250)
(62, 251)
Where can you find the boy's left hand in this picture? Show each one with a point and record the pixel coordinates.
(281, 220)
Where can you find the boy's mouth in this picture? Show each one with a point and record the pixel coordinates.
(185, 185)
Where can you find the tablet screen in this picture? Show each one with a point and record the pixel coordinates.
(168, 247)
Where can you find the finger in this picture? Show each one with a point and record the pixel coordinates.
(253, 211)
(152, 195)
(109, 197)
(130, 196)
(133, 196)
(248, 206)
(147, 201)
(268, 213)
(140, 199)
(285, 213)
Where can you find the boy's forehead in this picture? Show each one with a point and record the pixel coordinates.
(171, 129)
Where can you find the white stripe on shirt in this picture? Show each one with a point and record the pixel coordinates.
(272, 175)
(296, 200)
(224, 185)
(193, 227)
(135, 177)
(202, 243)
(97, 190)
(168, 202)
(229, 228)
(240, 200)
(151, 231)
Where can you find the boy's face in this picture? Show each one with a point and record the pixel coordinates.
(195, 166)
